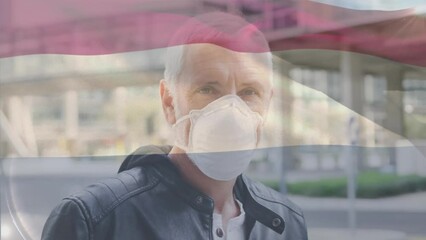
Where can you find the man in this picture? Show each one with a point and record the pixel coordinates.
(215, 95)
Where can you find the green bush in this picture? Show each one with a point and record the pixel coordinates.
(369, 185)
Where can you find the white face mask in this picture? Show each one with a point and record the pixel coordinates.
(222, 137)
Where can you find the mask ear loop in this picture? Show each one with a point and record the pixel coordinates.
(192, 117)
(179, 120)
(259, 128)
(178, 133)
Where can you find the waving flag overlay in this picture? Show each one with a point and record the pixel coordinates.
(81, 28)
(79, 80)
(310, 33)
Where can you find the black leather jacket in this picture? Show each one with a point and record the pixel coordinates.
(149, 200)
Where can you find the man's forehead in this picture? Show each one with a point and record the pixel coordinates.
(206, 57)
(207, 54)
(208, 64)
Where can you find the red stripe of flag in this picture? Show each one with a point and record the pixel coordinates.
(105, 27)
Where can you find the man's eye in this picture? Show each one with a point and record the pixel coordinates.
(205, 90)
(248, 92)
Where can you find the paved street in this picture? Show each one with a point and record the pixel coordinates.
(33, 196)
(410, 223)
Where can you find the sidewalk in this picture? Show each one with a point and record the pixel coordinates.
(359, 234)
(64, 166)
(414, 202)
(408, 203)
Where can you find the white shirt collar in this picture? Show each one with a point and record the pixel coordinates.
(234, 229)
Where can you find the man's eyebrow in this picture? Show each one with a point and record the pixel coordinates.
(253, 83)
(198, 83)
(201, 83)
(212, 83)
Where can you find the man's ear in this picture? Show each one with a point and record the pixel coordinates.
(167, 102)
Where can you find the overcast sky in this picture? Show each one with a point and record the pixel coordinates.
(420, 5)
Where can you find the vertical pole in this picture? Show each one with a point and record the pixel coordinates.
(120, 110)
(268, 15)
(394, 119)
(301, 22)
(71, 120)
(352, 172)
(120, 119)
(6, 14)
(352, 97)
(286, 108)
(233, 6)
(28, 125)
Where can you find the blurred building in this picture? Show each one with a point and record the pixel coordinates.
(104, 105)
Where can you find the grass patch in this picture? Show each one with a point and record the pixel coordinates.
(369, 185)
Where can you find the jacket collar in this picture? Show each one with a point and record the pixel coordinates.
(170, 175)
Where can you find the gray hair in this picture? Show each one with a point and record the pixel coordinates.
(219, 28)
